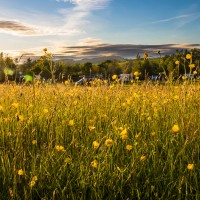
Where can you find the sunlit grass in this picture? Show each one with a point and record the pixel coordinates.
(66, 142)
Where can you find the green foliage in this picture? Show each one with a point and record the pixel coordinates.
(60, 70)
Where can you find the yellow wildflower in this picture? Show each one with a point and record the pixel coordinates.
(112, 86)
(175, 128)
(45, 111)
(20, 172)
(177, 62)
(95, 145)
(105, 81)
(184, 77)
(16, 105)
(143, 158)
(114, 77)
(176, 97)
(91, 128)
(124, 135)
(188, 56)
(137, 135)
(34, 178)
(68, 160)
(123, 104)
(34, 142)
(32, 183)
(135, 143)
(45, 49)
(109, 142)
(120, 128)
(136, 74)
(195, 72)
(67, 82)
(129, 147)
(59, 148)
(191, 66)
(190, 166)
(128, 101)
(94, 163)
(153, 133)
(1, 107)
(71, 122)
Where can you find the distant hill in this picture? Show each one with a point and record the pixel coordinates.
(96, 60)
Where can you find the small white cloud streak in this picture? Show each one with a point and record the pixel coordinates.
(171, 19)
(180, 20)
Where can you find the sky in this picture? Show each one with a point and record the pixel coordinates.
(92, 28)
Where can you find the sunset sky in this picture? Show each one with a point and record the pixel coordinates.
(91, 28)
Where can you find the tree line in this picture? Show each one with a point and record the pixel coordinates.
(174, 65)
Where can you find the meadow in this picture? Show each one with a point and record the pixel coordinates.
(100, 142)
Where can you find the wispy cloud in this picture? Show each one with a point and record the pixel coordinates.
(171, 19)
(67, 21)
(87, 4)
(16, 27)
(179, 20)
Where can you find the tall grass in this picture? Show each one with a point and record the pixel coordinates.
(65, 142)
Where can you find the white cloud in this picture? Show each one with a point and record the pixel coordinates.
(68, 21)
(87, 4)
(171, 19)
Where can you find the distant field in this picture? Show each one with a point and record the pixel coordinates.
(107, 142)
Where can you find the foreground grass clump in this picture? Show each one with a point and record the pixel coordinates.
(64, 142)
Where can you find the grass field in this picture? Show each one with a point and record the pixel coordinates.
(108, 142)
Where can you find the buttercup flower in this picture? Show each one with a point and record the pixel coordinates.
(94, 163)
(95, 145)
(109, 142)
(67, 82)
(16, 105)
(68, 160)
(129, 147)
(32, 183)
(188, 56)
(191, 66)
(195, 72)
(124, 135)
(190, 166)
(59, 148)
(143, 158)
(153, 133)
(114, 77)
(20, 172)
(34, 178)
(177, 62)
(34, 142)
(91, 128)
(136, 74)
(71, 122)
(175, 128)
(45, 111)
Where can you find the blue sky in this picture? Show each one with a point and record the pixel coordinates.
(88, 28)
